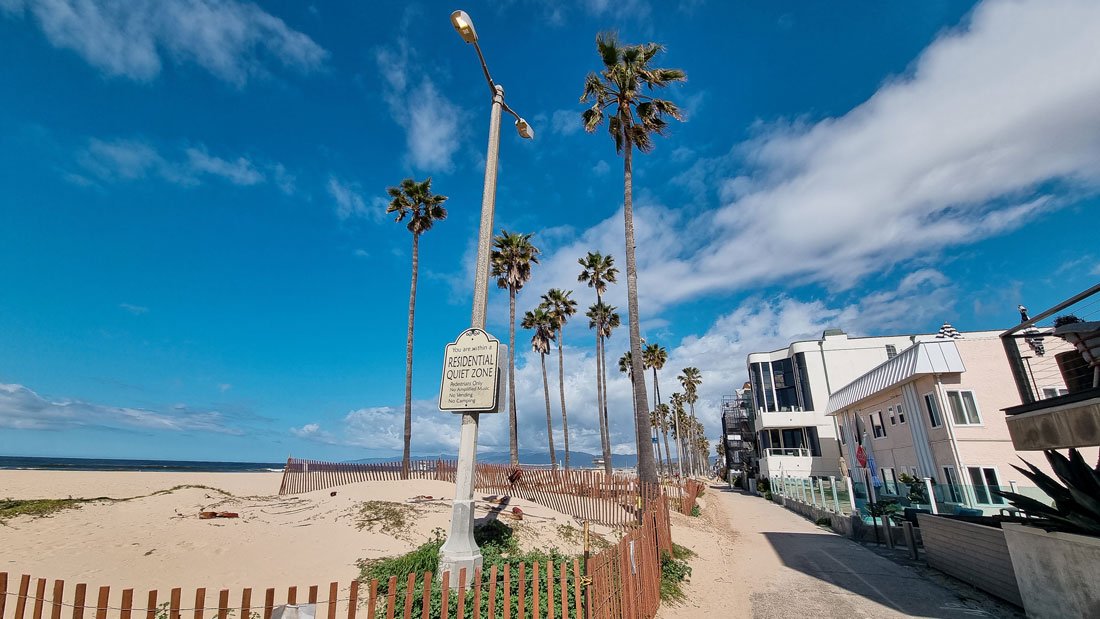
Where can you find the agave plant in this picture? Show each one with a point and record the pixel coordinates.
(1076, 503)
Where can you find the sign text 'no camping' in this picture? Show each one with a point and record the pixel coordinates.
(471, 373)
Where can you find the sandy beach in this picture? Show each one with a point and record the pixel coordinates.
(158, 541)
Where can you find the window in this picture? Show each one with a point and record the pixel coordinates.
(889, 480)
(964, 409)
(891, 351)
(951, 492)
(893, 419)
(877, 429)
(985, 481)
(933, 410)
(1053, 392)
(803, 375)
(901, 414)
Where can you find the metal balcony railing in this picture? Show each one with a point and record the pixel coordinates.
(787, 451)
(1054, 356)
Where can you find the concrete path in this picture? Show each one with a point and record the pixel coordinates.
(757, 559)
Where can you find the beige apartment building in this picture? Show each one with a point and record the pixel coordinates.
(935, 410)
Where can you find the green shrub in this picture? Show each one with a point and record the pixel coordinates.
(768, 495)
(824, 522)
(673, 573)
(695, 511)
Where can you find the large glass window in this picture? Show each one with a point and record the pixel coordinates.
(757, 386)
(877, 429)
(933, 411)
(769, 394)
(803, 376)
(814, 443)
(786, 394)
(985, 481)
(964, 409)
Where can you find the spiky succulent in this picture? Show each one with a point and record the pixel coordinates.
(1076, 506)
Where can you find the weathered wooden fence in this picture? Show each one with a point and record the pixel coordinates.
(612, 500)
(622, 582)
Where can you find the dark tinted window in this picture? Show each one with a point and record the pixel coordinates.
(803, 381)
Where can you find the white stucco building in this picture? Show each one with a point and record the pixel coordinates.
(791, 388)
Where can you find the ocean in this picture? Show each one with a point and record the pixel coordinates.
(111, 464)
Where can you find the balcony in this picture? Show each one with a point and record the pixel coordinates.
(1055, 363)
(788, 461)
(785, 419)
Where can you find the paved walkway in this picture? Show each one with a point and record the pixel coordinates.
(757, 559)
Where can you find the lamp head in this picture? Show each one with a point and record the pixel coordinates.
(464, 25)
(524, 129)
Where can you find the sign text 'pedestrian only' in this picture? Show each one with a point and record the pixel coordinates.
(472, 368)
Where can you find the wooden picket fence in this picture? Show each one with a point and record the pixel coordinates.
(622, 582)
(613, 500)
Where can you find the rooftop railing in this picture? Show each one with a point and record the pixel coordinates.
(1054, 356)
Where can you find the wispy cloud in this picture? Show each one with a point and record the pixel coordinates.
(133, 159)
(432, 123)
(136, 310)
(566, 122)
(23, 409)
(234, 41)
(350, 203)
(994, 125)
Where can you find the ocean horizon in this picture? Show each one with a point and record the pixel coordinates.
(125, 464)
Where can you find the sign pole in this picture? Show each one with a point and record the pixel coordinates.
(460, 550)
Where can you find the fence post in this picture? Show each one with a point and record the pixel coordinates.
(931, 495)
(821, 487)
(852, 494)
(836, 501)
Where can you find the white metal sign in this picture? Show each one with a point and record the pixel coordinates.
(472, 373)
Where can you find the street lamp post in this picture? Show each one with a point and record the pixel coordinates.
(460, 550)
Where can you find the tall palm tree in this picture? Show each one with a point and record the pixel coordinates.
(663, 414)
(654, 356)
(690, 379)
(598, 271)
(626, 366)
(677, 414)
(615, 95)
(512, 257)
(416, 202)
(562, 307)
(544, 325)
(603, 318)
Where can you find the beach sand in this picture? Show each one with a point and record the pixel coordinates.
(159, 541)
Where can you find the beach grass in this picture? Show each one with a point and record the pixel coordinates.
(42, 508)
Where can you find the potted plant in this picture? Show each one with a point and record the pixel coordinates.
(1085, 336)
(1056, 556)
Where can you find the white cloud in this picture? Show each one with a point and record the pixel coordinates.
(23, 409)
(994, 125)
(432, 123)
(136, 310)
(239, 172)
(350, 203)
(232, 40)
(133, 159)
(601, 168)
(566, 122)
(619, 9)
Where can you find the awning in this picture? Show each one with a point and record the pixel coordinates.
(928, 357)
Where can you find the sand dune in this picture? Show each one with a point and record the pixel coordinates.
(159, 542)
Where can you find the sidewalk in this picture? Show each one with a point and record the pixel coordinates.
(757, 559)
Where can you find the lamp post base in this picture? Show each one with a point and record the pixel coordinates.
(460, 551)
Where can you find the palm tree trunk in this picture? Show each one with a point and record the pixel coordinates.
(561, 386)
(604, 444)
(694, 442)
(679, 445)
(668, 454)
(549, 424)
(606, 421)
(647, 469)
(513, 436)
(406, 454)
(657, 405)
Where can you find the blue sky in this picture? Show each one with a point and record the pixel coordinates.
(196, 262)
